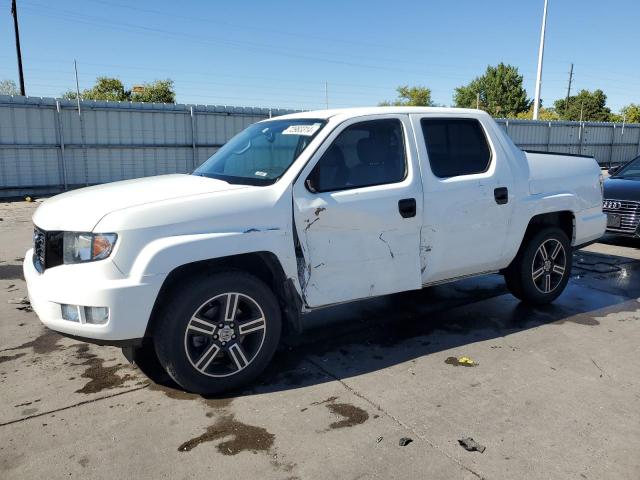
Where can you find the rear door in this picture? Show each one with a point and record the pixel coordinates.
(358, 212)
(467, 209)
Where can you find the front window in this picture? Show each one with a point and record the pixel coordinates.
(260, 154)
(630, 170)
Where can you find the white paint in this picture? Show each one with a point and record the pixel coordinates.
(357, 245)
(355, 242)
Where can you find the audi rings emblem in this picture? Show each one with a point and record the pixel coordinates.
(612, 204)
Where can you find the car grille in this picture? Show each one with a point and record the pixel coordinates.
(629, 215)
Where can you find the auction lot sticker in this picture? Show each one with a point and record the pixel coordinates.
(306, 130)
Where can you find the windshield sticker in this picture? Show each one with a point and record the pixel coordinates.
(260, 174)
(306, 130)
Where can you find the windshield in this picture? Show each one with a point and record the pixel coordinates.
(261, 153)
(631, 169)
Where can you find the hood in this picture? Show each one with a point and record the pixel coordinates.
(80, 210)
(622, 189)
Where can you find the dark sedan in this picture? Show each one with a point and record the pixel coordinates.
(622, 199)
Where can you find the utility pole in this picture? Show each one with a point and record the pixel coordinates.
(536, 101)
(14, 13)
(566, 102)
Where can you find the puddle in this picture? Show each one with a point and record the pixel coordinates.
(244, 437)
(328, 400)
(352, 415)
(11, 272)
(8, 358)
(177, 394)
(47, 342)
(100, 377)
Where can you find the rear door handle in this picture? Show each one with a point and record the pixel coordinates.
(407, 207)
(501, 194)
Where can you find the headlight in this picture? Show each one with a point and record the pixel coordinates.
(80, 247)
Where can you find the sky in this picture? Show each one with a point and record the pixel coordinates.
(284, 53)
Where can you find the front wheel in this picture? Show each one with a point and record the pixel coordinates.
(218, 332)
(541, 270)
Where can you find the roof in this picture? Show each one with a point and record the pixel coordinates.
(361, 111)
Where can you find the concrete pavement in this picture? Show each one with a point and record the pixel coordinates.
(554, 393)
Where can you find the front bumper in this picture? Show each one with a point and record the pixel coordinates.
(95, 284)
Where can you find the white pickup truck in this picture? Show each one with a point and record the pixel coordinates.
(297, 213)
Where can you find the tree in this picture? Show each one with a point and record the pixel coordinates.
(160, 91)
(501, 92)
(592, 105)
(106, 88)
(544, 114)
(631, 113)
(112, 89)
(411, 96)
(8, 87)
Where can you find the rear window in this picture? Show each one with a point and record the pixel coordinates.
(455, 146)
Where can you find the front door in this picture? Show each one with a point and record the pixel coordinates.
(358, 213)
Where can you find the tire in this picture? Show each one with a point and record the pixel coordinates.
(534, 279)
(218, 332)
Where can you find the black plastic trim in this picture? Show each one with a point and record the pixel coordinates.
(132, 342)
(560, 153)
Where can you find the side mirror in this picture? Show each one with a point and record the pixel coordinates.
(311, 186)
(613, 170)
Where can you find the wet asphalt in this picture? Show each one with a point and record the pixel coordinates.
(549, 392)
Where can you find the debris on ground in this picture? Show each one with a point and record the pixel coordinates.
(470, 445)
(19, 301)
(25, 304)
(379, 439)
(461, 361)
(404, 441)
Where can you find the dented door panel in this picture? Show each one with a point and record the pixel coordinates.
(354, 243)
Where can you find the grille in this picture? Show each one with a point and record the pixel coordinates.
(629, 215)
(39, 249)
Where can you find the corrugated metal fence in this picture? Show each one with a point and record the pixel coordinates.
(46, 146)
(609, 143)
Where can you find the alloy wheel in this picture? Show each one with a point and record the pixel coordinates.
(225, 334)
(549, 265)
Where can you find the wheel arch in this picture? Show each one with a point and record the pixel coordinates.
(563, 219)
(263, 264)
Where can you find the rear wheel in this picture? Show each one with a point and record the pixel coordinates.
(541, 270)
(217, 333)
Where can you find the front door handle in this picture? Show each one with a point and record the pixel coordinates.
(407, 207)
(501, 194)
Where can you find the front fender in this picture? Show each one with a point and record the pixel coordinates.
(163, 255)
